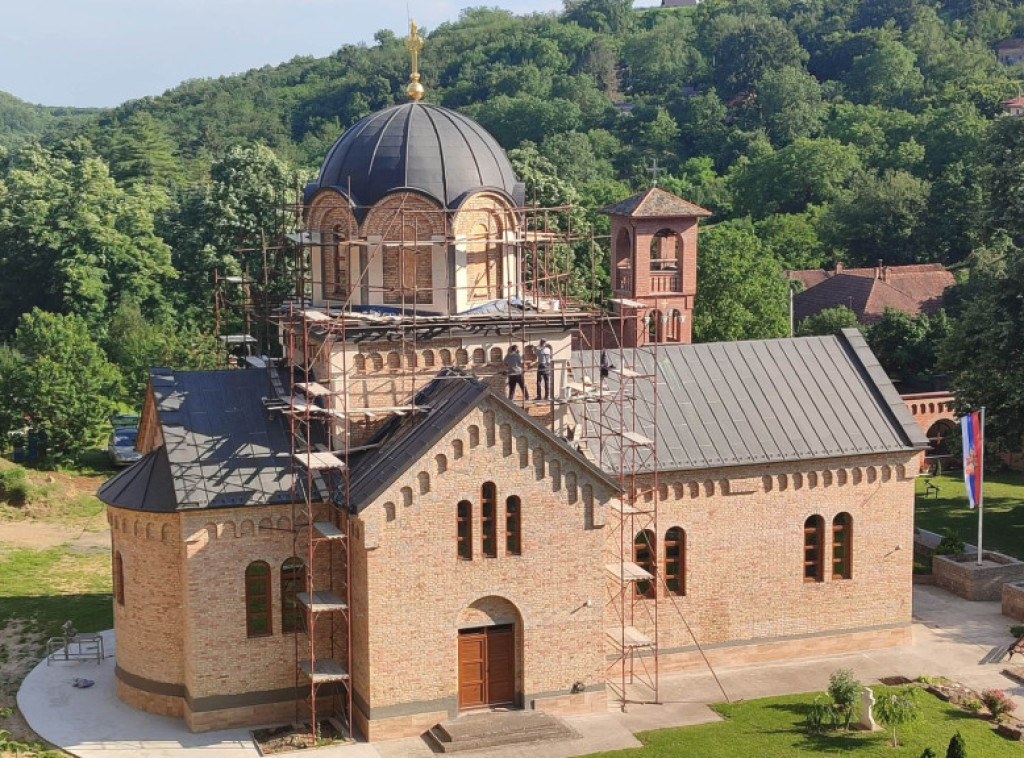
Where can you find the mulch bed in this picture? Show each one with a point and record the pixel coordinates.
(285, 739)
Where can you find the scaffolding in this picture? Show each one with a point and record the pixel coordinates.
(323, 391)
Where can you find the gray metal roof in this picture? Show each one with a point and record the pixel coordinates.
(742, 403)
(222, 447)
(417, 146)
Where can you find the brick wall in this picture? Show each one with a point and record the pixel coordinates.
(419, 593)
(744, 553)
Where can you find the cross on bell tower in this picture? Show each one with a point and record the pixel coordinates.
(654, 264)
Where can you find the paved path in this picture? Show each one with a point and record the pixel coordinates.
(952, 637)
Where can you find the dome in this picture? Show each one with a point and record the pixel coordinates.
(421, 147)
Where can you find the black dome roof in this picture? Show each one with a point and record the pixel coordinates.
(417, 146)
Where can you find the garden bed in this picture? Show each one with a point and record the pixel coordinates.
(290, 737)
(961, 574)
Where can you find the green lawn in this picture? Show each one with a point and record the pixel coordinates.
(1004, 511)
(773, 728)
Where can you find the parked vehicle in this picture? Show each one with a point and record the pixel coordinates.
(121, 447)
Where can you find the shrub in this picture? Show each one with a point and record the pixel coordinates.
(817, 717)
(950, 544)
(1017, 631)
(998, 703)
(957, 748)
(845, 693)
(14, 485)
(928, 753)
(973, 705)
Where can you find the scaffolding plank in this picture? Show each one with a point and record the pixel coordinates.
(627, 302)
(321, 601)
(328, 530)
(620, 507)
(628, 373)
(313, 389)
(628, 572)
(315, 315)
(319, 461)
(630, 636)
(325, 670)
(637, 439)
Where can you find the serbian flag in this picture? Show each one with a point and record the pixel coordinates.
(970, 427)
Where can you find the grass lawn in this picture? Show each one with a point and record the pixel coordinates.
(773, 728)
(1004, 511)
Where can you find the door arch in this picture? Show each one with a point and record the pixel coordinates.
(490, 654)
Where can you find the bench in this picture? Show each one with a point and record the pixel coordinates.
(931, 489)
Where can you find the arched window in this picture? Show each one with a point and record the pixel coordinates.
(118, 578)
(407, 269)
(339, 251)
(675, 561)
(513, 526)
(257, 599)
(842, 546)
(655, 327)
(465, 530)
(814, 548)
(489, 520)
(643, 556)
(675, 326)
(293, 581)
(665, 251)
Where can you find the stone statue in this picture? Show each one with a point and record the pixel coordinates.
(866, 720)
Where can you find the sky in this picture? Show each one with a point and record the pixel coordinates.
(103, 52)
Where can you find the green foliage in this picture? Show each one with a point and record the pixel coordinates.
(845, 691)
(928, 753)
(907, 347)
(950, 544)
(60, 383)
(14, 485)
(957, 747)
(741, 292)
(827, 321)
(897, 708)
(819, 716)
(1017, 630)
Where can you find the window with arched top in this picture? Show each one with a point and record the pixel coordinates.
(513, 525)
(118, 578)
(655, 326)
(842, 546)
(479, 356)
(257, 599)
(489, 519)
(643, 556)
(339, 252)
(464, 530)
(674, 548)
(814, 549)
(293, 581)
(407, 267)
(665, 251)
(495, 355)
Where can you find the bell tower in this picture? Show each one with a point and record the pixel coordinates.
(654, 265)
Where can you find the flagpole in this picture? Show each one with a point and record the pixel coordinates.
(981, 479)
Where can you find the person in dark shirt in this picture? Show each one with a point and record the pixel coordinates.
(514, 370)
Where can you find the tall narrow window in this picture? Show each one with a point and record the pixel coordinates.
(257, 599)
(488, 506)
(513, 526)
(118, 579)
(675, 561)
(465, 530)
(814, 535)
(842, 546)
(643, 556)
(293, 581)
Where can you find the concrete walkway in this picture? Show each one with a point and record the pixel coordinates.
(962, 640)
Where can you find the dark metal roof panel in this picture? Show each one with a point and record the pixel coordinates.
(741, 403)
(417, 146)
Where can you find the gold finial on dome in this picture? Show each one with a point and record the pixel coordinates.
(414, 43)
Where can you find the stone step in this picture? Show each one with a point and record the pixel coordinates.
(478, 731)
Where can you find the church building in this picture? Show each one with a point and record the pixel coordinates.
(369, 528)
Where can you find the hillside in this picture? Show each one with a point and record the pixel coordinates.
(20, 120)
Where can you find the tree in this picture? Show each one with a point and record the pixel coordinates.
(71, 240)
(790, 103)
(827, 321)
(601, 15)
(845, 693)
(897, 708)
(60, 382)
(136, 344)
(957, 748)
(741, 292)
(747, 47)
(793, 238)
(984, 352)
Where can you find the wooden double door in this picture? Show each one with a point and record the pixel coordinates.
(487, 667)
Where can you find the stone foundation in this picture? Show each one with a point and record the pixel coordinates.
(961, 574)
(1013, 600)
